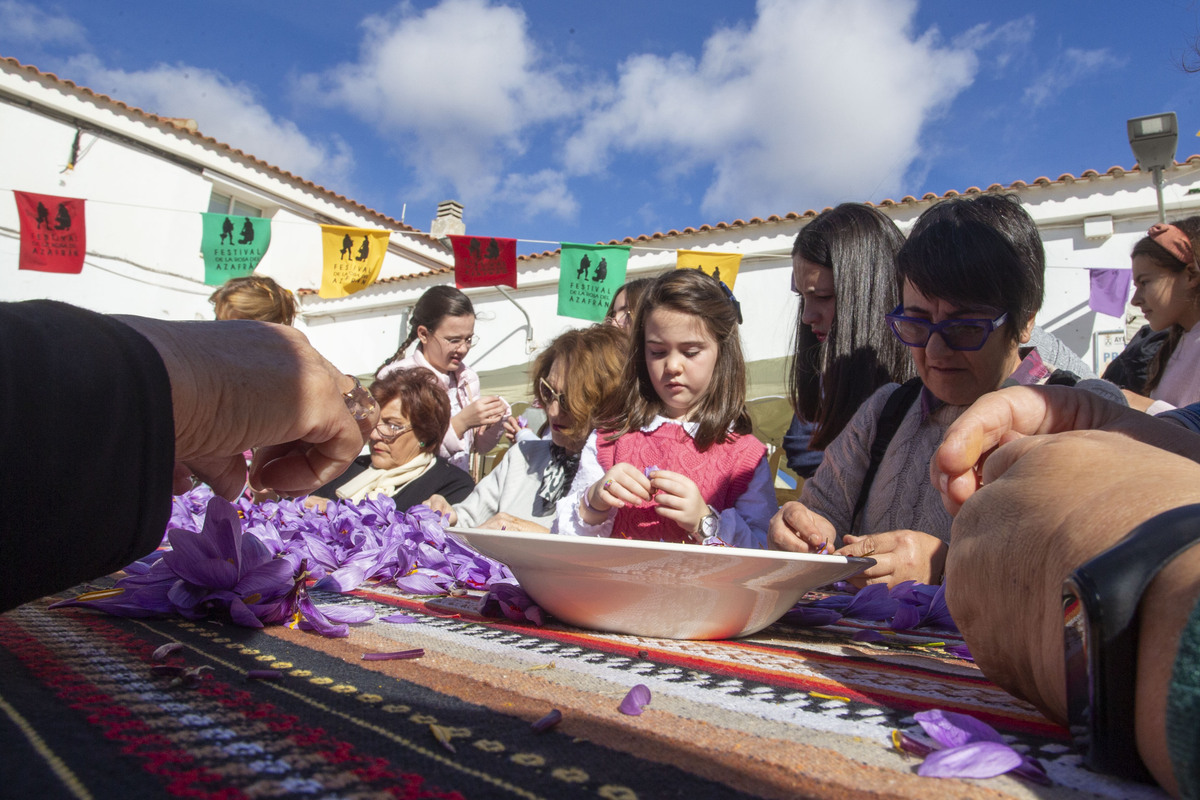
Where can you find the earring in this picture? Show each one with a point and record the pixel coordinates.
(421, 444)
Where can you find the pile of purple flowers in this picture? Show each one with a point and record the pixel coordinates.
(906, 606)
(252, 563)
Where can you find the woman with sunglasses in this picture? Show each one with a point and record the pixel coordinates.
(414, 413)
(443, 325)
(971, 278)
(572, 379)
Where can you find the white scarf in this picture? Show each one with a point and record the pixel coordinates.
(385, 481)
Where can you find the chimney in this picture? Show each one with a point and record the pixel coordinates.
(449, 220)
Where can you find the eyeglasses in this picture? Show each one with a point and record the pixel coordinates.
(390, 431)
(958, 334)
(547, 395)
(459, 341)
(619, 318)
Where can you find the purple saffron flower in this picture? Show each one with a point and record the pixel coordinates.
(511, 601)
(971, 749)
(806, 616)
(635, 700)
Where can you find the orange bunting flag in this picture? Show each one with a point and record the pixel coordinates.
(352, 259)
(484, 261)
(722, 266)
(52, 233)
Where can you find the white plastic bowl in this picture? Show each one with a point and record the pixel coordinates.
(659, 589)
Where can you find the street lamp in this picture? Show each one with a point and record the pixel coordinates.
(1153, 141)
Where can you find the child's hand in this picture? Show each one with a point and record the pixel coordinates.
(621, 486)
(678, 499)
(797, 529)
(484, 411)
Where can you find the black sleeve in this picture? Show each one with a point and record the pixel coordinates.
(356, 468)
(87, 434)
(443, 478)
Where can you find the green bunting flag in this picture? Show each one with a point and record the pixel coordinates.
(589, 276)
(232, 245)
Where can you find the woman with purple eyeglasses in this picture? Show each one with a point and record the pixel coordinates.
(971, 278)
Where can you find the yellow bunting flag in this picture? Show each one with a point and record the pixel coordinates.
(722, 266)
(352, 259)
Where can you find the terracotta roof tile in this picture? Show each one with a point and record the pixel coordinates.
(180, 127)
(908, 199)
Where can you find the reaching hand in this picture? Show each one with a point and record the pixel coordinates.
(239, 384)
(794, 527)
(442, 506)
(902, 555)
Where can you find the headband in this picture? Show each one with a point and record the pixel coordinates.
(1174, 241)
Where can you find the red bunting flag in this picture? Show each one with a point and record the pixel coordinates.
(52, 233)
(484, 261)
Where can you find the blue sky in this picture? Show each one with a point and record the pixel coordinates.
(569, 121)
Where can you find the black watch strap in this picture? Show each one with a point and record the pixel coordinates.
(1102, 666)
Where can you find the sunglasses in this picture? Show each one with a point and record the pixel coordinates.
(547, 395)
(958, 334)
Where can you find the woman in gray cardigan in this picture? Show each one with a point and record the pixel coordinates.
(971, 277)
(571, 379)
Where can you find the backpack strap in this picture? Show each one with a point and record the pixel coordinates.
(894, 409)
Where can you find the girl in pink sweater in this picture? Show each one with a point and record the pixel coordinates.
(677, 462)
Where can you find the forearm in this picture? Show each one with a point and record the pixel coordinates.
(1165, 609)
(745, 525)
(107, 466)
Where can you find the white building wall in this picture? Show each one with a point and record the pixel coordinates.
(146, 183)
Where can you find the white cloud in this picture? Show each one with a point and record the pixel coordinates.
(1069, 68)
(458, 90)
(816, 102)
(26, 23)
(1004, 43)
(544, 192)
(228, 112)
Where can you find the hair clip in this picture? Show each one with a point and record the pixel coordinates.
(737, 307)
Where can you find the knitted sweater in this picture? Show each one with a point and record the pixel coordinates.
(722, 473)
(743, 524)
(901, 497)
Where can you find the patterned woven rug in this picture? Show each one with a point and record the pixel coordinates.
(787, 713)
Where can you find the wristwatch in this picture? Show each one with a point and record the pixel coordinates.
(1100, 637)
(710, 526)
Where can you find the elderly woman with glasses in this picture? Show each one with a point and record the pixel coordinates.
(404, 464)
(572, 379)
(971, 280)
(442, 324)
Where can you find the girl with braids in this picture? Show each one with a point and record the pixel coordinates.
(443, 325)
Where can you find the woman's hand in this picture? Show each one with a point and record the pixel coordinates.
(678, 499)
(799, 530)
(902, 555)
(623, 485)
(239, 384)
(483, 411)
(442, 506)
(504, 521)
